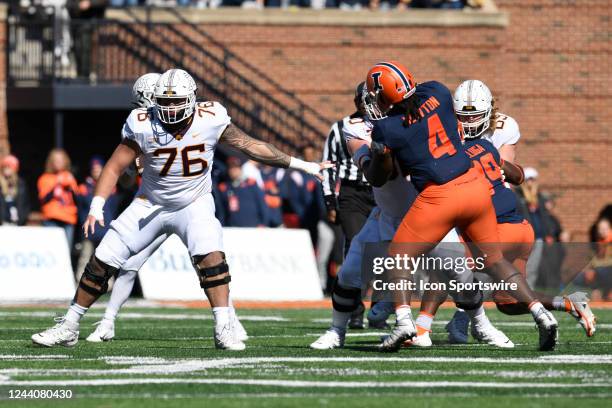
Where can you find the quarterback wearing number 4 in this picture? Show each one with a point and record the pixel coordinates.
(177, 140)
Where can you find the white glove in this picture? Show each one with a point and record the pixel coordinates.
(96, 209)
(308, 167)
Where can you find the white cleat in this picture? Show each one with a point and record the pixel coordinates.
(104, 332)
(331, 339)
(422, 340)
(404, 330)
(225, 339)
(549, 330)
(239, 331)
(62, 334)
(490, 335)
(582, 312)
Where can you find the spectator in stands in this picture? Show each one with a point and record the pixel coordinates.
(250, 170)
(274, 181)
(57, 189)
(242, 201)
(605, 213)
(111, 211)
(312, 196)
(315, 218)
(85, 11)
(14, 201)
(598, 274)
(533, 207)
(553, 252)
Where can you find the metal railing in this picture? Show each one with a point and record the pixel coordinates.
(43, 52)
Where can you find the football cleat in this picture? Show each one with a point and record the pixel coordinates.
(225, 339)
(404, 330)
(421, 340)
(549, 330)
(104, 332)
(64, 333)
(239, 331)
(331, 339)
(490, 335)
(457, 328)
(580, 309)
(378, 315)
(356, 321)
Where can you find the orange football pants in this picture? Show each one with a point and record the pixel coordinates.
(465, 203)
(516, 244)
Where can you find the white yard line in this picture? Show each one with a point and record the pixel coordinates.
(33, 357)
(161, 316)
(324, 396)
(300, 384)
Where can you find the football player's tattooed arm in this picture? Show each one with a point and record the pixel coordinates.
(513, 173)
(257, 150)
(266, 153)
(122, 157)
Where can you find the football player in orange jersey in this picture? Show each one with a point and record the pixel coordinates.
(417, 126)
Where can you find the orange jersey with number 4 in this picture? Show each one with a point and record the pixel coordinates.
(430, 149)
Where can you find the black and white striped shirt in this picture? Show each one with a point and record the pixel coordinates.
(337, 152)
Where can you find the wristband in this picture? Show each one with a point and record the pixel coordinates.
(97, 207)
(308, 167)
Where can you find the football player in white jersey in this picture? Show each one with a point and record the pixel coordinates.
(142, 97)
(177, 140)
(476, 111)
(393, 199)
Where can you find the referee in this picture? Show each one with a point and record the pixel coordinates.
(354, 201)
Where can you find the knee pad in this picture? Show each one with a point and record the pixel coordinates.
(99, 273)
(345, 300)
(204, 274)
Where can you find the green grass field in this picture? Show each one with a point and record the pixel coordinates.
(166, 358)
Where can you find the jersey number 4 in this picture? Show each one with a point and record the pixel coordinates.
(172, 152)
(439, 143)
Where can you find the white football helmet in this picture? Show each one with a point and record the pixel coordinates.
(175, 96)
(142, 91)
(473, 104)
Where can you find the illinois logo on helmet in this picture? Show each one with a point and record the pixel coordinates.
(388, 83)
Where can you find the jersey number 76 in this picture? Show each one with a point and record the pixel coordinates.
(172, 152)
